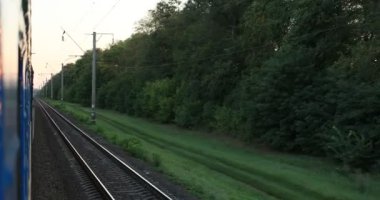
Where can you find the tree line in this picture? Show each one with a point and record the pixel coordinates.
(297, 76)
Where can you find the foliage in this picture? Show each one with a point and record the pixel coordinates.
(280, 73)
(210, 166)
(226, 120)
(156, 160)
(352, 148)
(157, 100)
(134, 147)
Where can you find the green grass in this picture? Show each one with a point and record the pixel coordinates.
(214, 168)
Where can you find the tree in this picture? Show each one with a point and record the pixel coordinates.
(282, 73)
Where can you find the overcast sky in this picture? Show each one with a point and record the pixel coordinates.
(78, 18)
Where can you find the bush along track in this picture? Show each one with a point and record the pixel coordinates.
(272, 183)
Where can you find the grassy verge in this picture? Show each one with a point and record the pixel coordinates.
(215, 169)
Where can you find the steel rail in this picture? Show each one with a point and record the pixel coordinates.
(101, 187)
(121, 163)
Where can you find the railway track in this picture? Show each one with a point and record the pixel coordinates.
(113, 178)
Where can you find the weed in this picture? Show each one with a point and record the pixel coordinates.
(113, 139)
(353, 149)
(156, 160)
(212, 170)
(134, 147)
(99, 130)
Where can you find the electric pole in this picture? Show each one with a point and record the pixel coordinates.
(46, 84)
(45, 87)
(62, 83)
(51, 88)
(93, 87)
(93, 97)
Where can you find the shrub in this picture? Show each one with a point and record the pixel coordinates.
(99, 130)
(157, 99)
(156, 160)
(114, 139)
(134, 147)
(226, 120)
(187, 114)
(351, 148)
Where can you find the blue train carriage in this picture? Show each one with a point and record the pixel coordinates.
(16, 92)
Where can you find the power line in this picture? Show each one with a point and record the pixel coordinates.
(83, 17)
(184, 61)
(65, 32)
(106, 15)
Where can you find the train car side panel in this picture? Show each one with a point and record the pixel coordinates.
(15, 93)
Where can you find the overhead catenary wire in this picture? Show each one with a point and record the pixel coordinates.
(197, 60)
(184, 61)
(360, 26)
(65, 32)
(83, 17)
(375, 14)
(106, 15)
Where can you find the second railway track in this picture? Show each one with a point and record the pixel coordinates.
(114, 178)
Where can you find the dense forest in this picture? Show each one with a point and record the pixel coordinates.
(296, 76)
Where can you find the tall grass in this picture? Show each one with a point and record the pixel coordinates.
(201, 163)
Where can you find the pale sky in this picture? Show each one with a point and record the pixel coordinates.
(79, 18)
